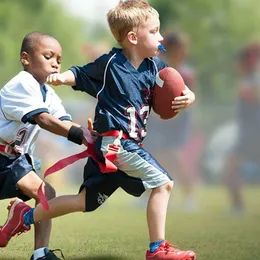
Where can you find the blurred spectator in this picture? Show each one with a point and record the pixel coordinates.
(246, 152)
(174, 143)
(93, 51)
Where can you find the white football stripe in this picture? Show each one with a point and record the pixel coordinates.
(159, 81)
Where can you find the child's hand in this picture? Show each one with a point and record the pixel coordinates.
(90, 135)
(56, 79)
(184, 101)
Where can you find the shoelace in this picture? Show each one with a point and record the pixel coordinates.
(59, 250)
(170, 248)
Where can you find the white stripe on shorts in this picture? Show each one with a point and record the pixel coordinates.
(136, 166)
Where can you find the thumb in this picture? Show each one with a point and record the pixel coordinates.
(90, 124)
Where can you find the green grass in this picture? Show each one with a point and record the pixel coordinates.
(117, 231)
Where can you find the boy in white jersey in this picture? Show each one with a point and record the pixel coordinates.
(27, 105)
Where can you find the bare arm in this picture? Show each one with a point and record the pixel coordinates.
(53, 124)
(65, 78)
(64, 128)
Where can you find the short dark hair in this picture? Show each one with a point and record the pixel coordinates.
(31, 40)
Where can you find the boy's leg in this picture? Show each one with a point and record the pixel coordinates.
(137, 163)
(157, 210)
(233, 182)
(29, 185)
(160, 249)
(93, 193)
(60, 206)
(23, 215)
(96, 188)
(21, 181)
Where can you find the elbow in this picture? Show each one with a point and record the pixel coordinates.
(42, 119)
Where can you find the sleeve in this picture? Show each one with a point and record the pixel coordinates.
(90, 77)
(21, 99)
(56, 108)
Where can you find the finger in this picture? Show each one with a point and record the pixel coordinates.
(48, 79)
(90, 124)
(178, 107)
(181, 98)
(181, 103)
(87, 135)
(95, 133)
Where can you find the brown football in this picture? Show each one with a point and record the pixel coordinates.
(169, 84)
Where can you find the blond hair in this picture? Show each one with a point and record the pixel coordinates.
(127, 16)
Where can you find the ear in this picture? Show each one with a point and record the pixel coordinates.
(132, 37)
(24, 58)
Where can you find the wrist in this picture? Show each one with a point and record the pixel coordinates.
(75, 135)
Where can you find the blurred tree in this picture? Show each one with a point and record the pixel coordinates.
(17, 18)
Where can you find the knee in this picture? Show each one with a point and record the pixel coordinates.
(168, 187)
(49, 191)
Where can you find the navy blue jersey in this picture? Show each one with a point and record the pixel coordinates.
(124, 94)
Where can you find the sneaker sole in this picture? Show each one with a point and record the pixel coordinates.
(186, 258)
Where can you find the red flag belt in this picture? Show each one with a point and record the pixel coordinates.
(106, 167)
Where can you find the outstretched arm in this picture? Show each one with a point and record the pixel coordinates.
(58, 127)
(65, 78)
(53, 124)
(68, 129)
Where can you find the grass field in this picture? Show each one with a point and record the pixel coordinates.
(117, 231)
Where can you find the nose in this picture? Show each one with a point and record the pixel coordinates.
(160, 37)
(55, 64)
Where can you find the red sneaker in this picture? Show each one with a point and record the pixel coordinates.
(166, 252)
(14, 223)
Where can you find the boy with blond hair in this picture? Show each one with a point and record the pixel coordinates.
(123, 82)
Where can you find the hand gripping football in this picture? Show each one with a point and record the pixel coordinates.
(169, 84)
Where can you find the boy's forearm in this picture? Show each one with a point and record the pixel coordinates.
(52, 124)
(69, 78)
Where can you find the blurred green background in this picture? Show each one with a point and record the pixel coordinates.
(217, 31)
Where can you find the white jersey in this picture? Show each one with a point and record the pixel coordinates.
(20, 99)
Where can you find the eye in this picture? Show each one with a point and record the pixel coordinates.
(47, 57)
(155, 30)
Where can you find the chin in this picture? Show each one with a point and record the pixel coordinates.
(156, 53)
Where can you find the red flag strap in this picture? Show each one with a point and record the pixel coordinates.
(106, 167)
